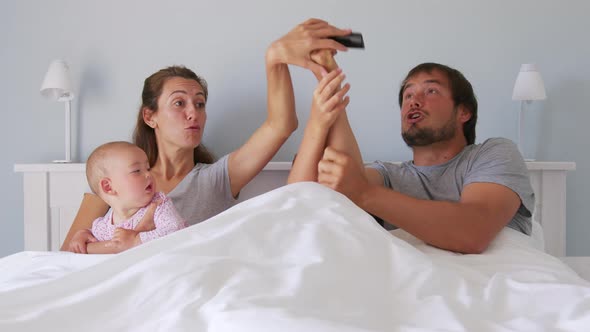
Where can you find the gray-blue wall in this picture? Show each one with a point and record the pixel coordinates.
(112, 46)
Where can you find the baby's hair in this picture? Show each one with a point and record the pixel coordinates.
(97, 163)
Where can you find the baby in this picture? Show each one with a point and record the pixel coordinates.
(119, 173)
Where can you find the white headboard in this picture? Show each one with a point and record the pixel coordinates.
(53, 192)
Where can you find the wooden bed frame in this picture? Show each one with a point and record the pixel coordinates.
(53, 192)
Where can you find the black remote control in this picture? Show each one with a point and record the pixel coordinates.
(354, 40)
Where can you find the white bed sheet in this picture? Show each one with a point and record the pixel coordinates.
(299, 258)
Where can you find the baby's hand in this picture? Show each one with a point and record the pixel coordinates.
(80, 240)
(147, 223)
(124, 239)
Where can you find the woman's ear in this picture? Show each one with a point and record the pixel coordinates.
(149, 118)
(106, 186)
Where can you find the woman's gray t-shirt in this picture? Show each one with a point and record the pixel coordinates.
(497, 160)
(204, 192)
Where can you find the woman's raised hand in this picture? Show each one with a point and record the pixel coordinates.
(297, 46)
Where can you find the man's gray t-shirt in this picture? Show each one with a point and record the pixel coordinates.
(497, 160)
(204, 192)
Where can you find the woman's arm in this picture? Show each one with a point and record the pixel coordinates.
(122, 240)
(103, 247)
(293, 48)
(92, 207)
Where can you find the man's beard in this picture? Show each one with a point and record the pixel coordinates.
(415, 136)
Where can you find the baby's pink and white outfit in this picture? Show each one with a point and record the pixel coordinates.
(166, 219)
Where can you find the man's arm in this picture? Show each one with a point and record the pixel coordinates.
(316, 137)
(340, 136)
(466, 226)
(328, 102)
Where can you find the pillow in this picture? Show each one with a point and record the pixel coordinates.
(537, 235)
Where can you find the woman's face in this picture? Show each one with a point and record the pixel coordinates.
(180, 119)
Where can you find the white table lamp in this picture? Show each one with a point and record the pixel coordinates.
(528, 86)
(58, 87)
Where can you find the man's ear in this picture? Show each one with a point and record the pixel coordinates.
(463, 114)
(106, 186)
(148, 117)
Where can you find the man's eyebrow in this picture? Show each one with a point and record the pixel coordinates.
(433, 81)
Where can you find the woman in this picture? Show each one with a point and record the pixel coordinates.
(170, 127)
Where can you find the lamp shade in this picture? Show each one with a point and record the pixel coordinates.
(529, 84)
(57, 85)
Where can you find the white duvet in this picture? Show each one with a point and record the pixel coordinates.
(299, 258)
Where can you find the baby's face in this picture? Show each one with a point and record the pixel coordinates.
(131, 177)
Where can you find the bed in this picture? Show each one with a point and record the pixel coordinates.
(53, 192)
(301, 258)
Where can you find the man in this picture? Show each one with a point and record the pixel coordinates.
(454, 194)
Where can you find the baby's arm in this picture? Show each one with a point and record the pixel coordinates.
(100, 232)
(80, 240)
(124, 239)
(166, 219)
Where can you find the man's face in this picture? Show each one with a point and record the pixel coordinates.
(428, 112)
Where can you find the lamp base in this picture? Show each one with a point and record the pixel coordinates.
(62, 161)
